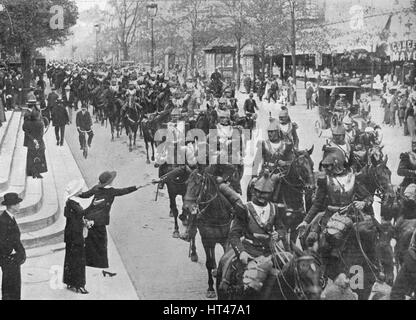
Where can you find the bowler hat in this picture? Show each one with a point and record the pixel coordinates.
(11, 199)
(106, 178)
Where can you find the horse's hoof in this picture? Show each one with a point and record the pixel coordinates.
(194, 257)
(153, 158)
(175, 235)
(148, 161)
(211, 294)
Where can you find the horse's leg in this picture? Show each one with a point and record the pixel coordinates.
(130, 134)
(146, 143)
(173, 212)
(112, 130)
(152, 143)
(135, 134)
(210, 265)
(194, 255)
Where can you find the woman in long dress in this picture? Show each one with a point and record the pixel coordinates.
(99, 212)
(35, 160)
(75, 232)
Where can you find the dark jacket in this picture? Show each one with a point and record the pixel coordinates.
(52, 99)
(84, 121)
(250, 106)
(309, 93)
(59, 116)
(68, 102)
(10, 240)
(99, 210)
(74, 223)
(34, 130)
(407, 170)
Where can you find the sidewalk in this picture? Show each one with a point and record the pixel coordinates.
(42, 271)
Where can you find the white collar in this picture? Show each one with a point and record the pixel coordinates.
(10, 215)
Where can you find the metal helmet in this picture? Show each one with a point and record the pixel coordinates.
(338, 130)
(274, 125)
(265, 183)
(284, 114)
(336, 158)
(347, 120)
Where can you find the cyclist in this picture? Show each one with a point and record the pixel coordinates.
(84, 124)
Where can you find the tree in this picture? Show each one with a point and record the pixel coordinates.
(129, 14)
(29, 27)
(236, 24)
(265, 19)
(197, 25)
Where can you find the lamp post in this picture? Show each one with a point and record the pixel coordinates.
(97, 30)
(152, 11)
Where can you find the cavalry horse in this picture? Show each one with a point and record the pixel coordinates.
(132, 120)
(295, 276)
(208, 212)
(113, 114)
(364, 250)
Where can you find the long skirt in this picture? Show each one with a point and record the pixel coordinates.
(74, 265)
(411, 125)
(36, 162)
(96, 247)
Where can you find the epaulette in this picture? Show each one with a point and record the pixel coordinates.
(404, 156)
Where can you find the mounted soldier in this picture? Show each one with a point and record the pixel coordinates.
(407, 166)
(337, 190)
(288, 129)
(338, 141)
(256, 217)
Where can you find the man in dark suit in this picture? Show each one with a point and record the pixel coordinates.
(68, 99)
(52, 101)
(59, 120)
(84, 124)
(12, 252)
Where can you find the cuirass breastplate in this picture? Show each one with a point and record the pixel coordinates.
(341, 189)
(273, 154)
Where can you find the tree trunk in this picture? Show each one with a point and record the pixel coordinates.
(263, 62)
(293, 43)
(125, 52)
(193, 52)
(26, 58)
(238, 62)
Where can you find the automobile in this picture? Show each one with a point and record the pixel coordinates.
(327, 97)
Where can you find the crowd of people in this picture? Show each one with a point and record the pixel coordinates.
(343, 193)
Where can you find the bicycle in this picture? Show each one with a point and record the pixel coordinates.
(84, 142)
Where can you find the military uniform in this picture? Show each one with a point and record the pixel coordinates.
(407, 168)
(288, 129)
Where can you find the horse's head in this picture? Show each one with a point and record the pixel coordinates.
(382, 176)
(303, 167)
(307, 267)
(375, 155)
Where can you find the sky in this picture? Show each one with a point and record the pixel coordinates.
(86, 4)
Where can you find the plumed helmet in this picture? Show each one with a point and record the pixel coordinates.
(410, 192)
(265, 183)
(347, 120)
(334, 157)
(338, 130)
(369, 130)
(274, 125)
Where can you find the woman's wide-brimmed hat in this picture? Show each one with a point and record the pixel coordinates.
(73, 188)
(11, 199)
(107, 177)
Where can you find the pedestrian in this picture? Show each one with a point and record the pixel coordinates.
(76, 230)
(2, 112)
(402, 108)
(247, 83)
(84, 124)
(309, 94)
(99, 212)
(12, 252)
(35, 160)
(18, 90)
(385, 103)
(410, 119)
(51, 101)
(60, 119)
(394, 106)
